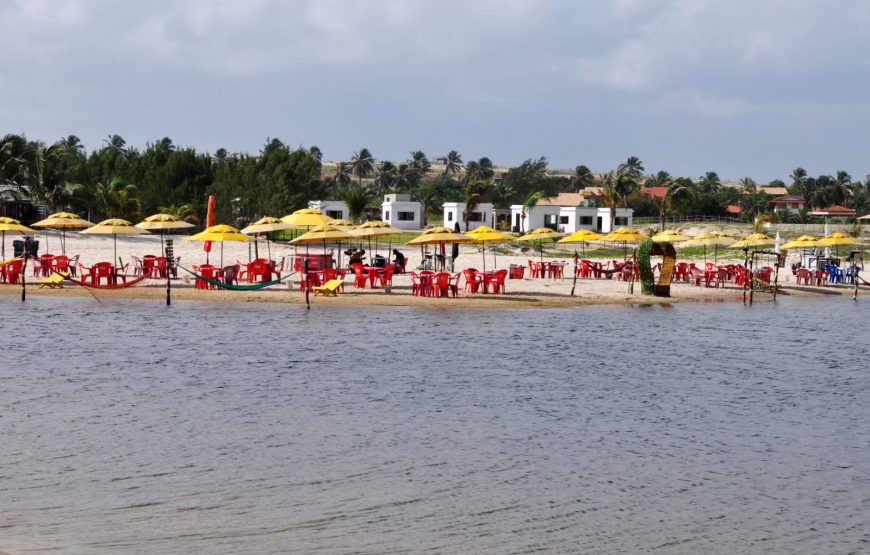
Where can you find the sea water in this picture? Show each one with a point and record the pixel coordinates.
(127, 427)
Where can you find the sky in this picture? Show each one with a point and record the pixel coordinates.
(744, 88)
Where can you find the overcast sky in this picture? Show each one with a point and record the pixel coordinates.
(745, 88)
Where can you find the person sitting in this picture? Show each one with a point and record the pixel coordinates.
(399, 259)
(357, 257)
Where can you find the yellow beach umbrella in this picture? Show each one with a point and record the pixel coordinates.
(163, 223)
(804, 241)
(669, 236)
(706, 239)
(220, 233)
(754, 240)
(265, 226)
(541, 234)
(485, 234)
(114, 227)
(837, 239)
(440, 236)
(345, 225)
(12, 226)
(63, 221)
(375, 228)
(306, 218)
(322, 234)
(581, 236)
(625, 235)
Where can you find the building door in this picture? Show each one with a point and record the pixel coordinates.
(517, 224)
(599, 223)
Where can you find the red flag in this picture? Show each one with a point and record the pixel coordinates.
(209, 221)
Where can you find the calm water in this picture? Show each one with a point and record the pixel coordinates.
(253, 429)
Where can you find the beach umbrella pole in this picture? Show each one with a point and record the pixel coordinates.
(574, 285)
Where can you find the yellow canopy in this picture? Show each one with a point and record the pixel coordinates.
(541, 234)
(267, 224)
(754, 240)
(162, 222)
(581, 236)
(321, 234)
(437, 235)
(307, 217)
(220, 233)
(709, 239)
(669, 236)
(113, 226)
(9, 224)
(625, 235)
(375, 228)
(63, 220)
(486, 234)
(344, 225)
(801, 242)
(838, 238)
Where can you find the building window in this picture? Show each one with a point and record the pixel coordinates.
(405, 216)
(620, 221)
(475, 217)
(585, 220)
(450, 216)
(563, 219)
(550, 221)
(386, 215)
(335, 214)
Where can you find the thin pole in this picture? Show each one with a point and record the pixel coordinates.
(573, 285)
(745, 272)
(23, 275)
(307, 282)
(752, 279)
(776, 277)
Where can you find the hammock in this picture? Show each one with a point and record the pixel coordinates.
(222, 285)
(96, 286)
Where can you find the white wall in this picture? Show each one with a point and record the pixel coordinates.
(326, 206)
(391, 209)
(537, 216)
(454, 212)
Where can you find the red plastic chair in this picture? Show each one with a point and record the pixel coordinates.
(387, 275)
(804, 275)
(473, 280)
(12, 271)
(360, 278)
(373, 273)
(330, 274)
(496, 282)
(99, 272)
(417, 285)
(60, 263)
(533, 269)
(440, 285)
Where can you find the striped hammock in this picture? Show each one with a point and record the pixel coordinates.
(229, 286)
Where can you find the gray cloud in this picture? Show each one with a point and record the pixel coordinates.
(740, 87)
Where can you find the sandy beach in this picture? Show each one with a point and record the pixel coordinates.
(520, 293)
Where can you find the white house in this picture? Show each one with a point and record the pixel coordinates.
(788, 203)
(455, 212)
(335, 209)
(401, 212)
(569, 212)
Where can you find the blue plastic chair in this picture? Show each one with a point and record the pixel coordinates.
(835, 274)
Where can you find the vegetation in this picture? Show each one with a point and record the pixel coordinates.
(119, 180)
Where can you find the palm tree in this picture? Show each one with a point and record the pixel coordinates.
(632, 167)
(72, 144)
(386, 178)
(583, 177)
(798, 177)
(473, 192)
(427, 195)
(184, 212)
(357, 200)
(342, 175)
(362, 164)
(611, 189)
(406, 177)
(709, 182)
(115, 199)
(627, 180)
(420, 163)
(676, 192)
(528, 203)
(165, 146)
(453, 163)
(660, 179)
(749, 185)
(116, 144)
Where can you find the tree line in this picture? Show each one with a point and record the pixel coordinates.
(116, 180)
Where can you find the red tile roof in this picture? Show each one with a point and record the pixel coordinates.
(732, 209)
(657, 192)
(835, 210)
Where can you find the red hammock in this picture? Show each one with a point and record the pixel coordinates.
(92, 286)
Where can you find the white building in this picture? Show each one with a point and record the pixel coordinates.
(401, 212)
(455, 212)
(335, 209)
(569, 212)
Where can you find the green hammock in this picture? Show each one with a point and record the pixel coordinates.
(222, 285)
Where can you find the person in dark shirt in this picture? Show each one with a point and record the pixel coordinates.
(399, 258)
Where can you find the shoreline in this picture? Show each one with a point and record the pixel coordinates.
(588, 293)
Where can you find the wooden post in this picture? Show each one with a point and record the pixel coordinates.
(23, 275)
(776, 277)
(752, 279)
(855, 295)
(575, 272)
(170, 263)
(307, 283)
